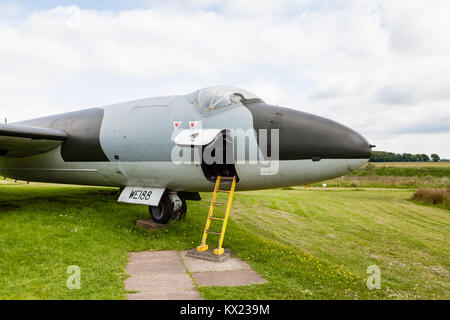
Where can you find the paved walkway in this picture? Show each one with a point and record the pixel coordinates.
(172, 275)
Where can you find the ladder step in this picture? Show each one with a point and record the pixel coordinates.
(220, 204)
(213, 232)
(229, 186)
(214, 218)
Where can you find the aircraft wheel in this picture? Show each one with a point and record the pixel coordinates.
(163, 212)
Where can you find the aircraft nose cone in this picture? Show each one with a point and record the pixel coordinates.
(306, 136)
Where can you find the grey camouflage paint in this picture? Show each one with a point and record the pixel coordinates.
(131, 143)
(83, 134)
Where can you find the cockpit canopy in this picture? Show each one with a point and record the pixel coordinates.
(218, 98)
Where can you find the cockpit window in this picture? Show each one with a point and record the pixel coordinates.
(217, 98)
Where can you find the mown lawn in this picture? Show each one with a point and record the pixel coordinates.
(307, 244)
(357, 228)
(398, 175)
(412, 164)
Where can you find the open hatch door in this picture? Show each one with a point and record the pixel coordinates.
(196, 137)
(217, 150)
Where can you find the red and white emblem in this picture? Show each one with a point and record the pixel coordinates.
(193, 124)
(177, 124)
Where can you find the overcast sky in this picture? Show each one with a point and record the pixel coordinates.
(380, 67)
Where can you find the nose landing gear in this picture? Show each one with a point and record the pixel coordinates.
(171, 207)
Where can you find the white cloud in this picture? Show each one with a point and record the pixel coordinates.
(381, 67)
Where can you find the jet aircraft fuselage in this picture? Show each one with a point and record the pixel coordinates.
(161, 143)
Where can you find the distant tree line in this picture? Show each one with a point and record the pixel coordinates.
(382, 156)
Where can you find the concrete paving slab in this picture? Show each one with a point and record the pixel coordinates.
(161, 275)
(231, 278)
(167, 295)
(197, 265)
(155, 262)
(159, 282)
(148, 267)
(153, 255)
(209, 255)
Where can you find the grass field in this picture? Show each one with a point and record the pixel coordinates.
(396, 182)
(404, 175)
(314, 244)
(412, 164)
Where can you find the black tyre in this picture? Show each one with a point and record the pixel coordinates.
(162, 213)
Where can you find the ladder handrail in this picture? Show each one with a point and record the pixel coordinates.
(227, 215)
(203, 247)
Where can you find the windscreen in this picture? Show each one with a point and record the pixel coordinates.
(217, 98)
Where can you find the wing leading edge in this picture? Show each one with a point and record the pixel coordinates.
(24, 141)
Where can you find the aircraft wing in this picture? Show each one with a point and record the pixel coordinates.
(24, 141)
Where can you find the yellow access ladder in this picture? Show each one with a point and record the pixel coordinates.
(204, 247)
